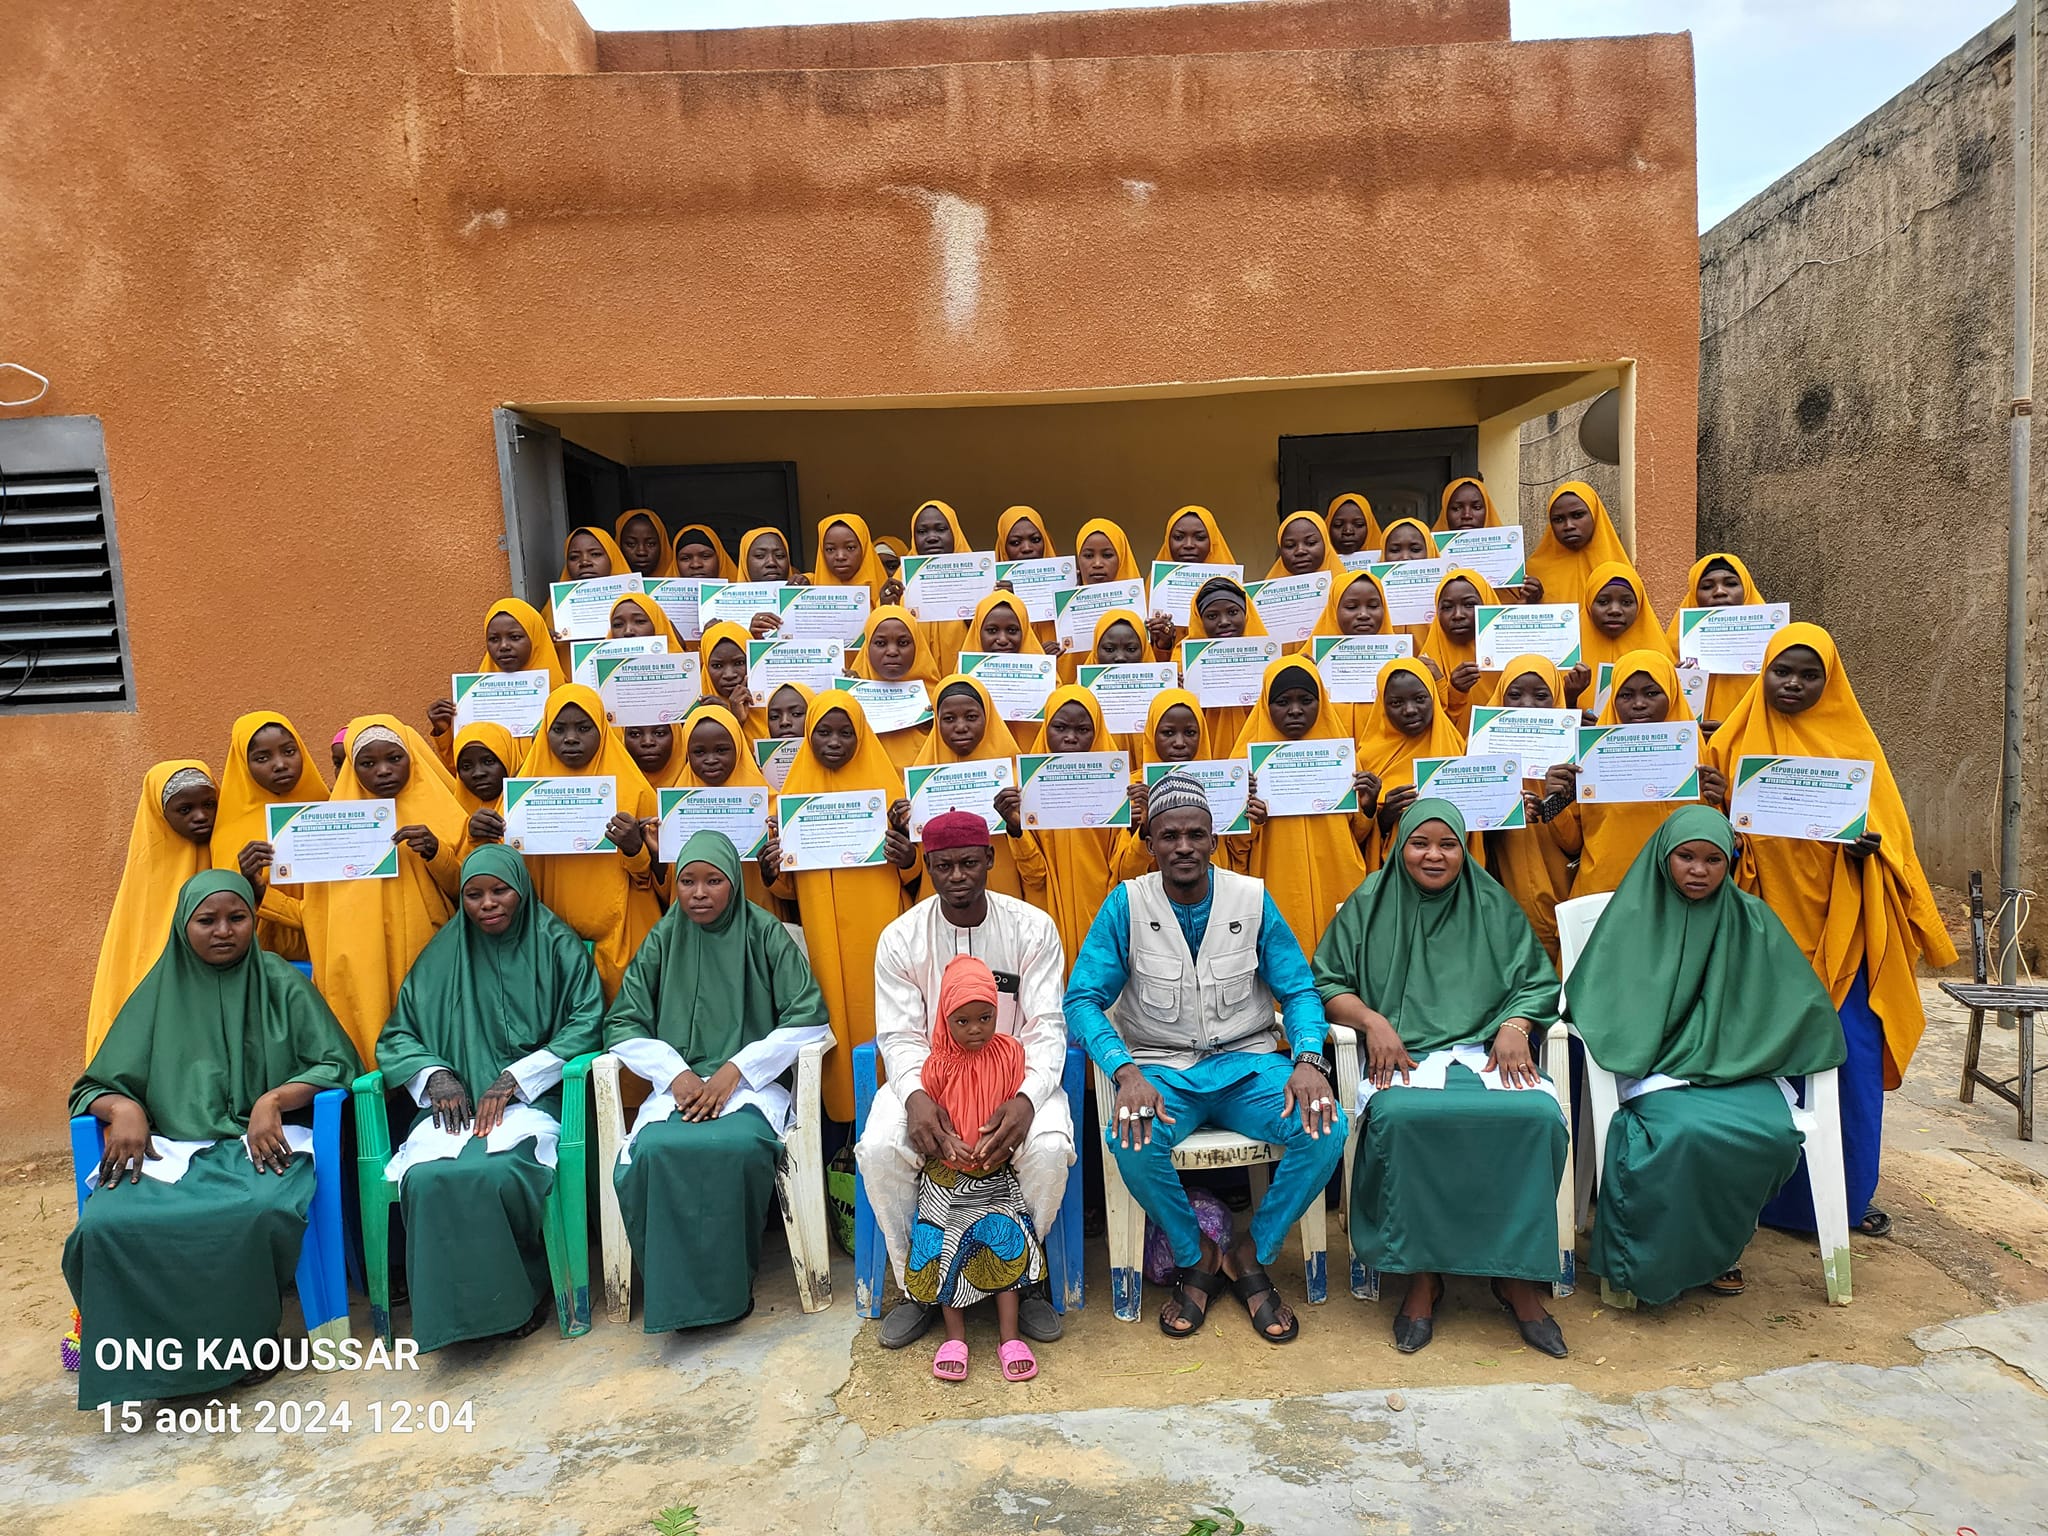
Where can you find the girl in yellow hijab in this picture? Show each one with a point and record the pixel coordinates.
(486, 754)
(935, 530)
(1353, 526)
(267, 764)
(1408, 538)
(1303, 547)
(701, 554)
(365, 934)
(638, 616)
(845, 910)
(1863, 912)
(1193, 538)
(167, 845)
(644, 543)
(1175, 732)
(846, 556)
(1309, 863)
(765, 556)
(1530, 861)
(893, 651)
(1000, 625)
(1021, 534)
(1452, 641)
(1466, 504)
(1404, 722)
(1580, 538)
(1718, 580)
(1101, 553)
(711, 753)
(966, 729)
(587, 554)
(608, 898)
(1120, 640)
(516, 639)
(1614, 619)
(723, 653)
(1357, 606)
(1646, 690)
(1066, 870)
(1222, 610)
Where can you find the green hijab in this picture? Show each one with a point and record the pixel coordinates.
(476, 1002)
(196, 1045)
(710, 989)
(1712, 991)
(1445, 967)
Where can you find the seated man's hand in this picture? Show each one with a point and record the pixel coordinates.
(1310, 1092)
(1004, 1133)
(1138, 1104)
(929, 1130)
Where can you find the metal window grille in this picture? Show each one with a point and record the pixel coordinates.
(63, 640)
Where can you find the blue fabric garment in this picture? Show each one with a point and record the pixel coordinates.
(1241, 1091)
(1862, 1080)
(1104, 965)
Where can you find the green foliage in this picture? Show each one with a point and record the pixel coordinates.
(1212, 1524)
(679, 1520)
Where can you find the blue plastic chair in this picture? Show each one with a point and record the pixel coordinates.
(322, 1275)
(1063, 1258)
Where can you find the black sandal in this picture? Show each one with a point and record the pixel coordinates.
(1190, 1281)
(1251, 1283)
(1728, 1283)
(1875, 1223)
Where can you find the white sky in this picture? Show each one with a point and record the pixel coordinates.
(1777, 78)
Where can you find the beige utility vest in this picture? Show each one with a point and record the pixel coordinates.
(1176, 1007)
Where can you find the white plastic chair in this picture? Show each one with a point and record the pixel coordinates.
(799, 1180)
(1818, 1119)
(1214, 1148)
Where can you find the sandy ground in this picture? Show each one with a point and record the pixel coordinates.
(788, 1422)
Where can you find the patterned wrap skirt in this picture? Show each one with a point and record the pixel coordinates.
(971, 1237)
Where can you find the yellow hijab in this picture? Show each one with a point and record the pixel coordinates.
(1429, 550)
(540, 645)
(1125, 741)
(745, 775)
(1219, 547)
(1225, 720)
(845, 910)
(1309, 863)
(1877, 916)
(727, 571)
(1566, 574)
(665, 565)
(1375, 536)
(1332, 561)
(1451, 654)
(494, 739)
(716, 634)
(988, 605)
(1645, 634)
(872, 573)
(656, 615)
(1066, 872)
(240, 820)
(1127, 567)
(744, 572)
(365, 934)
(611, 550)
(1615, 834)
(945, 638)
(1529, 862)
(159, 863)
(1724, 689)
(1165, 699)
(1010, 518)
(1443, 505)
(924, 667)
(1329, 625)
(996, 742)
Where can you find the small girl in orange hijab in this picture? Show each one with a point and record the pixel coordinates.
(972, 1236)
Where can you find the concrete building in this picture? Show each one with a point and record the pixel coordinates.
(1855, 380)
(349, 308)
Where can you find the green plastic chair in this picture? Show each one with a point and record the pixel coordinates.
(564, 1219)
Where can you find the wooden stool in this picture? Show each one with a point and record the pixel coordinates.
(1982, 997)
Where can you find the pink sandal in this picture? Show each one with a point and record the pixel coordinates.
(1013, 1354)
(950, 1363)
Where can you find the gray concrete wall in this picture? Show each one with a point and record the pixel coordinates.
(1551, 455)
(1855, 371)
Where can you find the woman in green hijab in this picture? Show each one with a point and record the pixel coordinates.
(199, 1208)
(1463, 1145)
(495, 1006)
(1689, 983)
(712, 1012)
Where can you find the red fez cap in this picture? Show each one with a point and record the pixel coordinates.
(955, 829)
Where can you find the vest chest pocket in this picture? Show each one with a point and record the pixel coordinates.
(1236, 973)
(1158, 987)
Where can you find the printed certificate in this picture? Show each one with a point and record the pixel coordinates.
(1351, 664)
(824, 613)
(560, 815)
(1076, 610)
(656, 689)
(1306, 778)
(889, 706)
(1227, 672)
(1227, 781)
(773, 755)
(1730, 641)
(843, 829)
(1630, 764)
(736, 602)
(1411, 588)
(584, 655)
(947, 586)
(1290, 605)
(583, 609)
(332, 840)
(1539, 739)
(1075, 790)
(1174, 586)
(1362, 560)
(1018, 685)
(1692, 682)
(958, 787)
(1495, 553)
(1819, 799)
(1549, 630)
(515, 700)
(679, 597)
(1126, 691)
(741, 813)
(814, 663)
(1038, 583)
(1486, 790)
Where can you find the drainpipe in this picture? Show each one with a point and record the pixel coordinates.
(2016, 535)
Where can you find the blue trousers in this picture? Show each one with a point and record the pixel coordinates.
(1862, 1080)
(1240, 1091)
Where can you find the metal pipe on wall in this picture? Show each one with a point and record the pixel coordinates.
(2009, 873)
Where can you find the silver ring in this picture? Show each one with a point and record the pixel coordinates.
(1322, 1104)
(1144, 1111)
(1123, 1112)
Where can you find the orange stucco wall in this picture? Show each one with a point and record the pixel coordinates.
(293, 256)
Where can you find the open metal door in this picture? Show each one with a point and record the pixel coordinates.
(536, 498)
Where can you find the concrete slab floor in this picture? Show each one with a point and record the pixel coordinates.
(1923, 1407)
